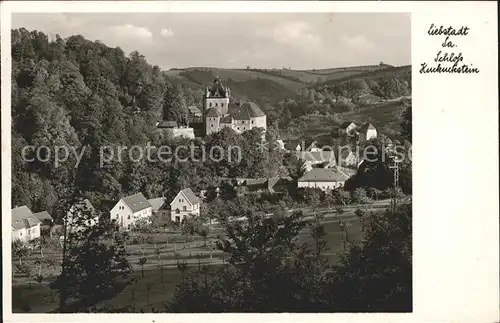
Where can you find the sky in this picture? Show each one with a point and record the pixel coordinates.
(237, 40)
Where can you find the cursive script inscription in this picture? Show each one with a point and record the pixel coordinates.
(447, 60)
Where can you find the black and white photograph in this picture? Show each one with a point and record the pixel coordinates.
(211, 162)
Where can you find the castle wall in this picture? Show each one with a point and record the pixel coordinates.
(259, 122)
(211, 125)
(220, 104)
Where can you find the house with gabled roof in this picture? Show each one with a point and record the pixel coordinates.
(131, 209)
(347, 128)
(323, 178)
(185, 203)
(366, 132)
(44, 216)
(159, 206)
(347, 158)
(323, 158)
(25, 226)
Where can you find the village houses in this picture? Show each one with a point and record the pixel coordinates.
(25, 225)
(347, 158)
(129, 210)
(159, 206)
(323, 178)
(185, 203)
(366, 132)
(347, 128)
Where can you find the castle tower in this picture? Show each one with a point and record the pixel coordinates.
(216, 96)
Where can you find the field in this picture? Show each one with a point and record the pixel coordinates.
(156, 288)
(385, 116)
(291, 79)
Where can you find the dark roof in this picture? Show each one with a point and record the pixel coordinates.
(316, 156)
(345, 124)
(324, 175)
(167, 124)
(292, 144)
(255, 181)
(246, 110)
(240, 114)
(227, 119)
(253, 109)
(157, 203)
(22, 217)
(190, 196)
(44, 215)
(217, 89)
(212, 112)
(365, 127)
(136, 202)
(232, 106)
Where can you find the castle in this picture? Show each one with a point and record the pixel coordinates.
(219, 112)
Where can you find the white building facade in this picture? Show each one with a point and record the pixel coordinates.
(25, 226)
(185, 204)
(131, 209)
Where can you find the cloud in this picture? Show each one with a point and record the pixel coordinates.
(130, 31)
(166, 33)
(357, 42)
(298, 33)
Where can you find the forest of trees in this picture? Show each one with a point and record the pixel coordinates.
(335, 97)
(77, 93)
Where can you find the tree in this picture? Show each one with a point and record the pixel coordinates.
(406, 123)
(91, 269)
(141, 262)
(359, 196)
(203, 231)
(360, 214)
(20, 250)
(259, 276)
(376, 275)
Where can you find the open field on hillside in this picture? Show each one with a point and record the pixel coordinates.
(291, 79)
(204, 76)
(385, 116)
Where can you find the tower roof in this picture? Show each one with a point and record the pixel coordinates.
(217, 90)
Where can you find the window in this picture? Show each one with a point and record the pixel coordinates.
(128, 217)
(238, 128)
(177, 211)
(222, 104)
(215, 103)
(20, 234)
(210, 104)
(212, 125)
(128, 226)
(252, 121)
(184, 208)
